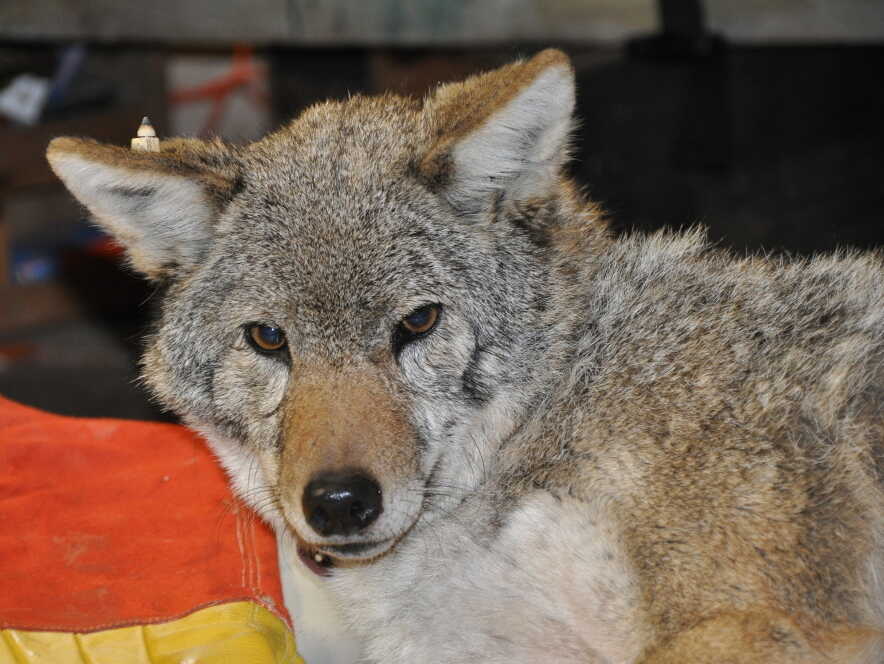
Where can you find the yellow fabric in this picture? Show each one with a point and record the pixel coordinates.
(235, 632)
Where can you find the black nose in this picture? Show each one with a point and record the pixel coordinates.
(342, 503)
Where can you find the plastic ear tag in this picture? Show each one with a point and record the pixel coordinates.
(146, 138)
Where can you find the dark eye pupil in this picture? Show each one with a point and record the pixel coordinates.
(419, 318)
(418, 323)
(265, 337)
(272, 336)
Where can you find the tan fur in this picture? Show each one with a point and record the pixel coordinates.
(668, 471)
(457, 109)
(179, 156)
(758, 638)
(342, 421)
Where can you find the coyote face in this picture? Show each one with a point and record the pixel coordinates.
(353, 303)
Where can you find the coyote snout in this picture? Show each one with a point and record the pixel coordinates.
(349, 461)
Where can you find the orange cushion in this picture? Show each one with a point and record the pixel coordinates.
(108, 523)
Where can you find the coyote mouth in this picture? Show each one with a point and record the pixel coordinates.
(360, 551)
(316, 561)
(320, 559)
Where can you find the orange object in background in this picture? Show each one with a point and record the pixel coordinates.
(113, 523)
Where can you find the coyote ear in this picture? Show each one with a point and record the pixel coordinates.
(505, 132)
(160, 205)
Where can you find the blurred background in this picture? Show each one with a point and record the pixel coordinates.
(761, 119)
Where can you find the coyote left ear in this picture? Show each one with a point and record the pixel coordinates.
(161, 206)
(503, 132)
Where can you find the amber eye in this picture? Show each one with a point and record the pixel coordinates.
(421, 321)
(265, 338)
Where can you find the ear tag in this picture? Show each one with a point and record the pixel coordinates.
(147, 140)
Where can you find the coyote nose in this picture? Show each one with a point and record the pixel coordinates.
(341, 504)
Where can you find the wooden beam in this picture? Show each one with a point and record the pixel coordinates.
(329, 22)
(416, 23)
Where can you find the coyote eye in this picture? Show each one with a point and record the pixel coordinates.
(421, 320)
(418, 323)
(265, 338)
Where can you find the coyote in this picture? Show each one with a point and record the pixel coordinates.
(499, 432)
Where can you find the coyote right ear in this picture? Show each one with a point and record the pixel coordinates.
(160, 205)
(503, 132)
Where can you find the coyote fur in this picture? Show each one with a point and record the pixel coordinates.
(509, 435)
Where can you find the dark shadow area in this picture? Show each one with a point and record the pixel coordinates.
(771, 148)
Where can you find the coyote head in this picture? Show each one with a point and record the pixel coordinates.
(356, 306)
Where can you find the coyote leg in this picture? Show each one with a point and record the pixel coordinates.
(762, 638)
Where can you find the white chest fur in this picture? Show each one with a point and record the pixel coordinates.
(551, 584)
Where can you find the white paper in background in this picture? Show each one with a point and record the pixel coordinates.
(24, 98)
(242, 118)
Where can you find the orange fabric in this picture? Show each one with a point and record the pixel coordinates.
(110, 522)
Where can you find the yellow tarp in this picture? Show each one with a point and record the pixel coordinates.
(228, 633)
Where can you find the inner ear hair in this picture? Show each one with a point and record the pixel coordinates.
(507, 131)
(212, 163)
(160, 205)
